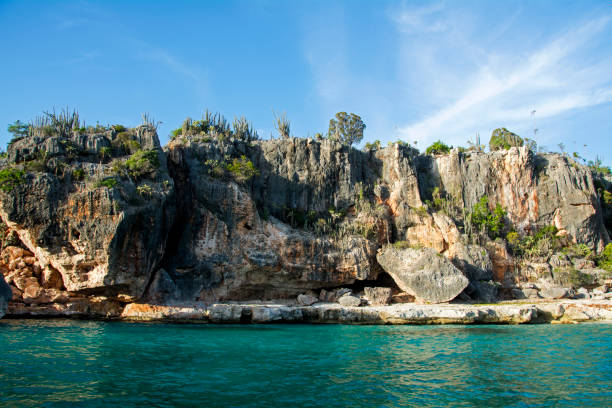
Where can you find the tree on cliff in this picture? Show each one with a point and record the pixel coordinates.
(346, 128)
(503, 139)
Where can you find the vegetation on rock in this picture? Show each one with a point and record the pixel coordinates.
(10, 178)
(346, 128)
(503, 139)
(438, 148)
(485, 220)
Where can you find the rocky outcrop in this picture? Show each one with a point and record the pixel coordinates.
(111, 215)
(568, 311)
(5, 295)
(423, 273)
(536, 190)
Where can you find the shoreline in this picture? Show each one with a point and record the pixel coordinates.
(510, 312)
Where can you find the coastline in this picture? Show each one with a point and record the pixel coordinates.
(511, 312)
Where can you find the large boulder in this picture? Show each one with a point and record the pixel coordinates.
(423, 273)
(5, 295)
(473, 260)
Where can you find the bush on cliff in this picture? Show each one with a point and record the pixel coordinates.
(541, 243)
(346, 128)
(503, 139)
(110, 182)
(143, 163)
(604, 260)
(438, 148)
(485, 220)
(10, 178)
(242, 169)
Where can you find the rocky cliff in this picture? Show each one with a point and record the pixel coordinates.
(97, 219)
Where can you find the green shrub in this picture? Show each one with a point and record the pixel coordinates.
(578, 251)
(125, 143)
(541, 243)
(502, 138)
(486, 220)
(438, 148)
(373, 146)
(10, 178)
(604, 260)
(104, 153)
(145, 190)
(242, 169)
(142, 163)
(78, 174)
(110, 182)
(176, 133)
(119, 128)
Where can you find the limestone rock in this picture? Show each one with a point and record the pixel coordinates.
(472, 260)
(5, 295)
(306, 300)
(423, 273)
(554, 292)
(349, 300)
(378, 296)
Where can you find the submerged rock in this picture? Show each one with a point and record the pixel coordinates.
(423, 273)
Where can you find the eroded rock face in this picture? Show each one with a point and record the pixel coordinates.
(536, 190)
(5, 295)
(423, 273)
(100, 240)
(197, 235)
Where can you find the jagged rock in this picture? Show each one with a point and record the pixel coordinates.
(484, 291)
(554, 292)
(525, 293)
(559, 260)
(5, 295)
(501, 260)
(600, 290)
(51, 279)
(327, 296)
(423, 273)
(306, 300)
(378, 296)
(349, 300)
(472, 260)
(581, 263)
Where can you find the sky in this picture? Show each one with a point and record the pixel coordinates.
(414, 71)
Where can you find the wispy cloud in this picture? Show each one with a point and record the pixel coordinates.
(552, 80)
(421, 19)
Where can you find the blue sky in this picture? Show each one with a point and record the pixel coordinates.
(416, 71)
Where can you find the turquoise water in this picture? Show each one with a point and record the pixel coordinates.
(63, 363)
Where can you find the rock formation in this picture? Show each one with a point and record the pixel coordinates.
(101, 219)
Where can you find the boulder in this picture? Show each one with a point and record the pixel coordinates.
(5, 295)
(472, 260)
(423, 273)
(378, 296)
(525, 293)
(349, 300)
(554, 292)
(306, 300)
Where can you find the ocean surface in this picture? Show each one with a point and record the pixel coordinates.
(64, 363)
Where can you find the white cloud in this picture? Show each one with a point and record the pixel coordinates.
(552, 80)
(422, 19)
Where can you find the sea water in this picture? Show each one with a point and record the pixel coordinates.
(67, 363)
